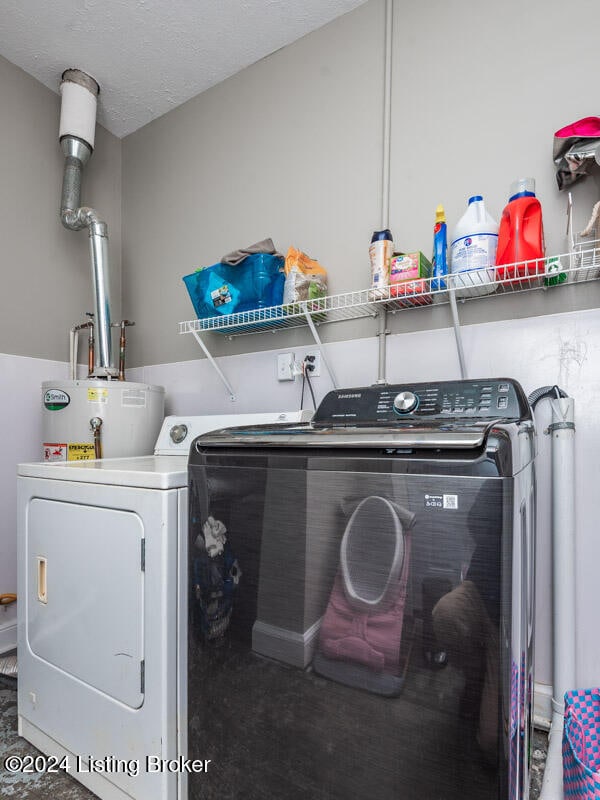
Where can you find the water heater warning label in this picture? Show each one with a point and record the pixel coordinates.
(54, 451)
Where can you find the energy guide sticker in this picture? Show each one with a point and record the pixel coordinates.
(97, 395)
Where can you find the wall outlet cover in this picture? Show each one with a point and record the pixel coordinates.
(285, 367)
(316, 363)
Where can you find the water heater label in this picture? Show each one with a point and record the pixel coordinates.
(55, 399)
(134, 397)
(81, 451)
(97, 395)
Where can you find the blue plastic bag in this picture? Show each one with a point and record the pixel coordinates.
(257, 282)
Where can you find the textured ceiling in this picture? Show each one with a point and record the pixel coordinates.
(149, 56)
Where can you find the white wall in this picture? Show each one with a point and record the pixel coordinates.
(562, 349)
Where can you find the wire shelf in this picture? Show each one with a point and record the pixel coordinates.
(578, 266)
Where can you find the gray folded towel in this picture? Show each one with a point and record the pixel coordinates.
(237, 256)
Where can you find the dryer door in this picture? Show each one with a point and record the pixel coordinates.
(85, 594)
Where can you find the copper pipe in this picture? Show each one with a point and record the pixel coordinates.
(125, 323)
(91, 351)
(74, 333)
(122, 352)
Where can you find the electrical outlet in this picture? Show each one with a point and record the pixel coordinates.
(314, 357)
(285, 367)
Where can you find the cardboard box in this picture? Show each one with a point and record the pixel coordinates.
(409, 267)
(409, 274)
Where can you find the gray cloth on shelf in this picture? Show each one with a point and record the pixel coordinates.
(237, 256)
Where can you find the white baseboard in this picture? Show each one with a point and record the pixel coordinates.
(542, 706)
(291, 647)
(8, 637)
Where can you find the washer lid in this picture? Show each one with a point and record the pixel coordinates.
(145, 472)
(431, 436)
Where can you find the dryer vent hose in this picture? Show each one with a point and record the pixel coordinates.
(545, 391)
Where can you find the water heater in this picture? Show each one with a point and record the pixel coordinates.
(93, 418)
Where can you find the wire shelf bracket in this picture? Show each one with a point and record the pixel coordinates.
(214, 365)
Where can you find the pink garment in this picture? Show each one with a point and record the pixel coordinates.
(588, 126)
(371, 638)
(575, 150)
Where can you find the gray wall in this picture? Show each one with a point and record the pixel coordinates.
(46, 279)
(478, 94)
(46, 273)
(291, 148)
(288, 148)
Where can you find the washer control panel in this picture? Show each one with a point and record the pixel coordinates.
(498, 398)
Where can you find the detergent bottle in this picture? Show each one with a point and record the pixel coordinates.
(380, 253)
(473, 251)
(521, 234)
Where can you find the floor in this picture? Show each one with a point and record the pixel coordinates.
(62, 787)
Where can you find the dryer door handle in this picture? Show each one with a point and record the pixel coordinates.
(42, 579)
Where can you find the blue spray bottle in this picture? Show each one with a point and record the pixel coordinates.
(439, 261)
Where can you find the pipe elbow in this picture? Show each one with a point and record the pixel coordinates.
(72, 219)
(77, 219)
(89, 216)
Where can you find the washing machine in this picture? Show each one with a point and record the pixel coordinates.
(360, 599)
(99, 643)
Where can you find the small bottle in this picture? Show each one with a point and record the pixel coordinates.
(521, 234)
(555, 274)
(473, 250)
(380, 253)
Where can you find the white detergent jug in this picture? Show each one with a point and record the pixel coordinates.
(473, 251)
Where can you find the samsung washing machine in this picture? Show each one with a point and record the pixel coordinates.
(360, 599)
(101, 555)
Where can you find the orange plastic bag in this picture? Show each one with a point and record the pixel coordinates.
(305, 278)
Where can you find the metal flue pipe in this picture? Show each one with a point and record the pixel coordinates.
(77, 127)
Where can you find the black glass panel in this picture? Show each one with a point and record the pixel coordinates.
(350, 634)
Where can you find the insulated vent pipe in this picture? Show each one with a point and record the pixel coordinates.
(77, 128)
